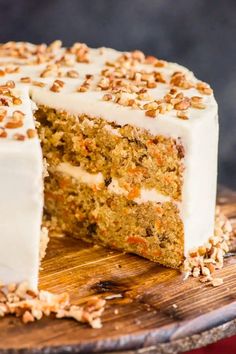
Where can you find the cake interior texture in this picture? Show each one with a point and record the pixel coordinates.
(102, 199)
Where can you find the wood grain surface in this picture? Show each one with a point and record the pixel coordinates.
(151, 310)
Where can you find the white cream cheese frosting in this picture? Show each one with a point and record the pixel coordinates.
(21, 161)
(78, 173)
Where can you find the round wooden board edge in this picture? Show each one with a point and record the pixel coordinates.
(133, 346)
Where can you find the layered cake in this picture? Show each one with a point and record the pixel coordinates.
(130, 143)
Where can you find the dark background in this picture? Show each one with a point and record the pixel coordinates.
(200, 34)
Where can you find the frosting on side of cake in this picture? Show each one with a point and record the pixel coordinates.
(21, 211)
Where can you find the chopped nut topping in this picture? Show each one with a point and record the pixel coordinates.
(5, 101)
(3, 133)
(26, 80)
(27, 317)
(11, 84)
(18, 115)
(82, 89)
(86, 84)
(57, 44)
(204, 88)
(159, 77)
(31, 133)
(160, 63)
(196, 272)
(196, 99)
(179, 79)
(123, 98)
(210, 266)
(202, 262)
(151, 85)
(151, 60)
(168, 98)
(11, 287)
(151, 113)
(196, 102)
(202, 250)
(145, 96)
(66, 60)
(50, 70)
(31, 306)
(16, 121)
(138, 55)
(3, 114)
(182, 105)
(72, 74)
(16, 101)
(57, 86)
(38, 83)
(182, 115)
(151, 106)
(129, 79)
(81, 52)
(89, 77)
(197, 105)
(180, 96)
(173, 91)
(20, 137)
(205, 271)
(104, 83)
(13, 124)
(107, 97)
(12, 69)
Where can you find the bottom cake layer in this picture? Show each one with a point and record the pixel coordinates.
(95, 214)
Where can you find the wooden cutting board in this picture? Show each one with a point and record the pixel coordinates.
(152, 311)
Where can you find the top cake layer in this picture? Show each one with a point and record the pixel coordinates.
(128, 88)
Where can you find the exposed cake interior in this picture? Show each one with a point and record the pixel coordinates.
(119, 186)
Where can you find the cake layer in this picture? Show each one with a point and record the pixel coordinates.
(151, 229)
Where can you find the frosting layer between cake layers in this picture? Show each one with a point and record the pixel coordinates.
(25, 77)
(91, 179)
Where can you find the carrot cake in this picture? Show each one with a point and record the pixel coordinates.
(130, 142)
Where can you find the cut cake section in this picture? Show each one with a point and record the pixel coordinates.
(119, 186)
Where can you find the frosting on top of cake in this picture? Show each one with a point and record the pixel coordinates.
(124, 87)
